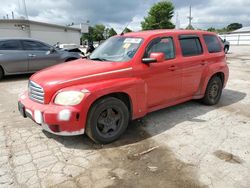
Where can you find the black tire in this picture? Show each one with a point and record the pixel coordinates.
(107, 120)
(1, 73)
(213, 91)
(226, 49)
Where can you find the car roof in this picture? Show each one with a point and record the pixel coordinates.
(16, 38)
(149, 33)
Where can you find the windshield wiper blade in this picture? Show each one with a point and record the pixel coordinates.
(98, 59)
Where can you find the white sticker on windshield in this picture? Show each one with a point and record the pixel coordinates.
(132, 40)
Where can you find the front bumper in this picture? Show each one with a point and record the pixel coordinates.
(59, 120)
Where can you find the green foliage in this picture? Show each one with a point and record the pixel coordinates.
(211, 29)
(234, 26)
(98, 33)
(127, 30)
(229, 28)
(111, 32)
(159, 16)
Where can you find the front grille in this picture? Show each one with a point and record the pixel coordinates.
(36, 92)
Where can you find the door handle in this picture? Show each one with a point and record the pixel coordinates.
(32, 55)
(203, 63)
(172, 68)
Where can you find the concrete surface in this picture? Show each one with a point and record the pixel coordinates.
(198, 146)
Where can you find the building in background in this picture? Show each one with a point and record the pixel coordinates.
(238, 37)
(49, 33)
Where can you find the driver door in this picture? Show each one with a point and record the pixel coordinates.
(163, 79)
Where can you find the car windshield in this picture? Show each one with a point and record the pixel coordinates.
(117, 49)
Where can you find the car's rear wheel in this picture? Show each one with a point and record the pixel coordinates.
(107, 120)
(1, 73)
(213, 91)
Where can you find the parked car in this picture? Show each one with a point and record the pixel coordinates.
(125, 78)
(226, 45)
(18, 56)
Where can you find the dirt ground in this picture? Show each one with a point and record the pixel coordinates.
(192, 145)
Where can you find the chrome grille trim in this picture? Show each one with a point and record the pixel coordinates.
(36, 92)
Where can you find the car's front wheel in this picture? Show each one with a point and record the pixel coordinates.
(213, 91)
(107, 120)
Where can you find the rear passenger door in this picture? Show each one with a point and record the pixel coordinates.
(13, 58)
(193, 64)
(39, 55)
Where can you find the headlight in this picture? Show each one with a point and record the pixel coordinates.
(69, 98)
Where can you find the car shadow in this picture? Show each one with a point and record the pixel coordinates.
(154, 123)
(14, 78)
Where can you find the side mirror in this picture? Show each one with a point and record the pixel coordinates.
(154, 57)
(51, 50)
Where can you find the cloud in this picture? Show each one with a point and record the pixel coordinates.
(117, 13)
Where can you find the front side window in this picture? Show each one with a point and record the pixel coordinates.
(10, 45)
(117, 49)
(212, 43)
(164, 45)
(190, 46)
(34, 46)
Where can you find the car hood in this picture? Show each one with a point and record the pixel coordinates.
(78, 72)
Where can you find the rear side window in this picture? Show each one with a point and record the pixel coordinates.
(34, 46)
(10, 45)
(212, 43)
(164, 45)
(190, 45)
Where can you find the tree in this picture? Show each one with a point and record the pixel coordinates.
(127, 30)
(211, 29)
(234, 26)
(96, 33)
(111, 32)
(159, 16)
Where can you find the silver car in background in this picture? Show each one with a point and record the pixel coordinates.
(19, 56)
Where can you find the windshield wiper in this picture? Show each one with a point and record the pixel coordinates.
(98, 59)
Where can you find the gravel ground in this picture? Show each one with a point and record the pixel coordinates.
(192, 145)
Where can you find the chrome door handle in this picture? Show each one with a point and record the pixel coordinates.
(203, 63)
(32, 55)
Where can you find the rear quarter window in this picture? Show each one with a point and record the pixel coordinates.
(213, 44)
(190, 45)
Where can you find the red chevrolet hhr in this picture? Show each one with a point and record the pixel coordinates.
(125, 78)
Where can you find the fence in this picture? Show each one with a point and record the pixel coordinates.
(237, 39)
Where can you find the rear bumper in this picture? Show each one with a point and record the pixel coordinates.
(59, 120)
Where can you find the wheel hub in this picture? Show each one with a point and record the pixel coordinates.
(108, 121)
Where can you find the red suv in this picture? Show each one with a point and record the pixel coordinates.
(125, 78)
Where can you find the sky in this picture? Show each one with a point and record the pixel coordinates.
(119, 13)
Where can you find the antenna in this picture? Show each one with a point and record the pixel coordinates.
(190, 17)
(177, 24)
(25, 10)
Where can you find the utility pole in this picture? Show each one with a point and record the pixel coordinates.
(190, 18)
(27, 18)
(177, 23)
